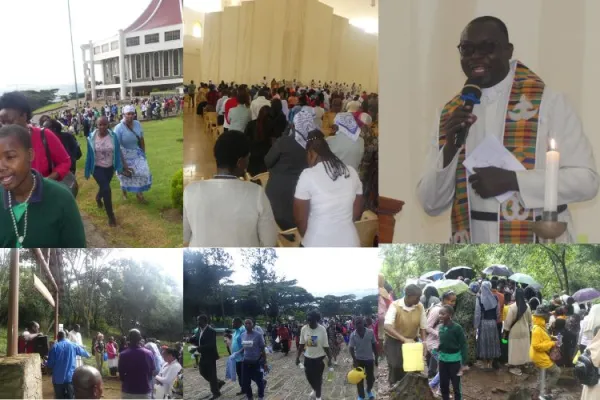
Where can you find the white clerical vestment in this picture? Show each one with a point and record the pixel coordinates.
(577, 177)
(75, 337)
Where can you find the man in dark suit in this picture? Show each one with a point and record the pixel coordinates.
(206, 340)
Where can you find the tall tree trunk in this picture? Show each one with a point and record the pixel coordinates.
(563, 262)
(443, 258)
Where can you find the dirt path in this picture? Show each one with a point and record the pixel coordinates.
(495, 385)
(93, 236)
(285, 382)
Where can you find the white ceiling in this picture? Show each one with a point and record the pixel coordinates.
(353, 8)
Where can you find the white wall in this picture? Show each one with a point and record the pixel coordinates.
(419, 71)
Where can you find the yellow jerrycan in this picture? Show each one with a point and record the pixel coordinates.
(412, 354)
(356, 375)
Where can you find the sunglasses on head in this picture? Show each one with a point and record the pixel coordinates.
(485, 48)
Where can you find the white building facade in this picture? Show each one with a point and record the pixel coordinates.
(145, 57)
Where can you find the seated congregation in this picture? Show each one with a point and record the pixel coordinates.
(296, 166)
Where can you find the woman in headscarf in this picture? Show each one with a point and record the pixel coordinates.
(464, 315)
(347, 143)
(328, 198)
(258, 134)
(131, 138)
(285, 161)
(517, 327)
(486, 315)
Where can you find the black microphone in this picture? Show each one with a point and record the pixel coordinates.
(470, 95)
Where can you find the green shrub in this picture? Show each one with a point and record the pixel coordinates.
(177, 190)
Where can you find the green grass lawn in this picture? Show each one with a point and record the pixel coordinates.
(49, 107)
(188, 361)
(155, 224)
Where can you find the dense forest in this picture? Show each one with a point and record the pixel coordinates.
(560, 268)
(208, 289)
(99, 291)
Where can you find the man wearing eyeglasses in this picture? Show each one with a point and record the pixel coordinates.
(519, 110)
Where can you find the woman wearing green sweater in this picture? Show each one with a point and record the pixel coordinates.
(452, 353)
(34, 211)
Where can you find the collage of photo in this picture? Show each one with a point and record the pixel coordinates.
(211, 218)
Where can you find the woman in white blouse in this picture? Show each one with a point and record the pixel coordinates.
(328, 197)
(226, 211)
(167, 374)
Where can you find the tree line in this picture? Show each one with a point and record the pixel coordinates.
(558, 267)
(208, 289)
(100, 293)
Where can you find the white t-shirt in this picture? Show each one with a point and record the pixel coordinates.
(227, 213)
(330, 219)
(314, 340)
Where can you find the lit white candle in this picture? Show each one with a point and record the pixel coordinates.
(552, 162)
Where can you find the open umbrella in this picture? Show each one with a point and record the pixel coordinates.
(433, 275)
(420, 282)
(445, 285)
(585, 295)
(498, 270)
(455, 272)
(522, 278)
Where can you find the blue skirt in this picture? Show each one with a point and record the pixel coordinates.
(141, 179)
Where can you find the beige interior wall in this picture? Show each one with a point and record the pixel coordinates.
(420, 71)
(285, 39)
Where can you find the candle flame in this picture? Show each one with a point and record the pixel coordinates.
(552, 144)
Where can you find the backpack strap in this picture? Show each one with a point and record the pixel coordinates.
(47, 149)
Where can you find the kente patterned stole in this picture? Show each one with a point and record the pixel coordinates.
(520, 138)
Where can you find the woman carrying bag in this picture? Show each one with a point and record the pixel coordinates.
(103, 158)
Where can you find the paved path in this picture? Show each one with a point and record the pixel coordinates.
(285, 382)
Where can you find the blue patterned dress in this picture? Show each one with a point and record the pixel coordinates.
(141, 179)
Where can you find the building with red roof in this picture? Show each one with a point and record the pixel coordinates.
(145, 56)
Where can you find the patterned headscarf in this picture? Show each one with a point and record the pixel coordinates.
(487, 298)
(346, 123)
(128, 109)
(304, 122)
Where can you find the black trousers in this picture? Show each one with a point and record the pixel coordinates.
(208, 370)
(103, 176)
(251, 372)
(449, 373)
(368, 366)
(313, 368)
(64, 391)
(238, 371)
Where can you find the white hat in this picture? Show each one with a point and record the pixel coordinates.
(128, 109)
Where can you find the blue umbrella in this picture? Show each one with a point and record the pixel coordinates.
(433, 275)
(585, 295)
(498, 270)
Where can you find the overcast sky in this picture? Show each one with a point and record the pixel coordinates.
(169, 260)
(36, 42)
(321, 271)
